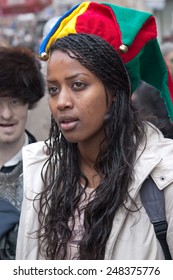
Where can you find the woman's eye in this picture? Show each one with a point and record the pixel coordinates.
(79, 85)
(52, 90)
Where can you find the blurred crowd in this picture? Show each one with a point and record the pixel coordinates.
(27, 31)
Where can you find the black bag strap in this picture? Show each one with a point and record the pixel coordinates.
(154, 202)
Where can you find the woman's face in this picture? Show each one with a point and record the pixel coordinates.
(77, 99)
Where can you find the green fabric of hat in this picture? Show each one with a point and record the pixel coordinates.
(131, 32)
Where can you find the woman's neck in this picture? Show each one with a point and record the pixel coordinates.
(87, 161)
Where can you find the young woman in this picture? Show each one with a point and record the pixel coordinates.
(82, 186)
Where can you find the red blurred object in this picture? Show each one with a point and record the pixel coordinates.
(11, 7)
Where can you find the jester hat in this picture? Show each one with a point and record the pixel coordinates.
(131, 32)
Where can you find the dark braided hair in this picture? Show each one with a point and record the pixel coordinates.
(124, 131)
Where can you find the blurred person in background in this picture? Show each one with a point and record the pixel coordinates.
(148, 99)
(21, 87)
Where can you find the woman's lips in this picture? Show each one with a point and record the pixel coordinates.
(68, 126)
(67, 123)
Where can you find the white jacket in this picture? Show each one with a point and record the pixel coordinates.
(132, 236)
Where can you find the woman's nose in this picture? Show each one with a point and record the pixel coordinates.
(64, 100)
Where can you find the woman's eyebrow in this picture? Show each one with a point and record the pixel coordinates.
(68, 78)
